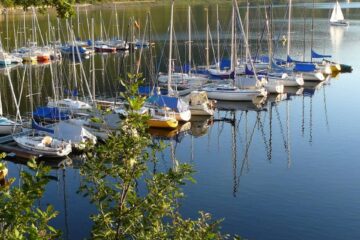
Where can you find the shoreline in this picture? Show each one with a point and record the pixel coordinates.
(110, 4)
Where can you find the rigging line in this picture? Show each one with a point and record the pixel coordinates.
(281, 127)
(283, 25)
(311, 122)
(325, 108)
(212, 45)
(239, 121)
(234, 154)
(38, 26)
(21, 88)
(303, 117)
(245, 159)
(143, 41)
(267, 148)
(161, 56)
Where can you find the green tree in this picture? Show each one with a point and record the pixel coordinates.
(20, 218)
(115, 170)
(64, 8)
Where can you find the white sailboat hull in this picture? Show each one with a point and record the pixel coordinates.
(313, 76)
(34, 144)
(236, 95)
(274, 87)
(7, 126)
(287, 81)
(340, 23)
(201, 110)
(6, 129)
(184, 116)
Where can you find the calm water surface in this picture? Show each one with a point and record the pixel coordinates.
(285, 170)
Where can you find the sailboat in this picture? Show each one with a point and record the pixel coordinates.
(221, 68)
(182, 81)
(78, 136)
(161, 120)
(41, 143)
(229, 92)
(309, 71)
(172, 101)
(7, 126)
(74, 105)
(177, 105)
(276, 77)
(337, 17)
(200, 105)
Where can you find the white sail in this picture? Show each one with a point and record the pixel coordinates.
(336, 14)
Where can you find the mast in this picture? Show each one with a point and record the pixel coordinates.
(247, 29)
(246, 42)
(25, 40)
(218, 36)
(87, 24)
(58, 29)
(93, 60)
(232, 38)
(190, 45)
(151, 68)
(122, 28)
(101, 28)
(7, 30)
(33, 26)
(117, 23)
(15, 35)
(304, 29)
(289, 30)
(207, 38)
(170, 91)
(78, 21)
(288, 133)
(269, 33)
(312, 29)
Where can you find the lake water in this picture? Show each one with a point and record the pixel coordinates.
(283, 170)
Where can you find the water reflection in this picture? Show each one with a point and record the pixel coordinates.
(200, 125)
(336, 36)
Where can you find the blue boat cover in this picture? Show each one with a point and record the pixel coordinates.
(264, 59)
(304, 67)
(275, 67)
(50, 113)
(73, 93)
(73, 49)
(185, 68)
(148, 90)
(279, 61)
(36, 126)
(309, 92)
(225, 64)
(316, 55)
(248, 71)
(173, 103)
(289, 59)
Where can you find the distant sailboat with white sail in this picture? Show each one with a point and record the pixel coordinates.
(337, 17)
